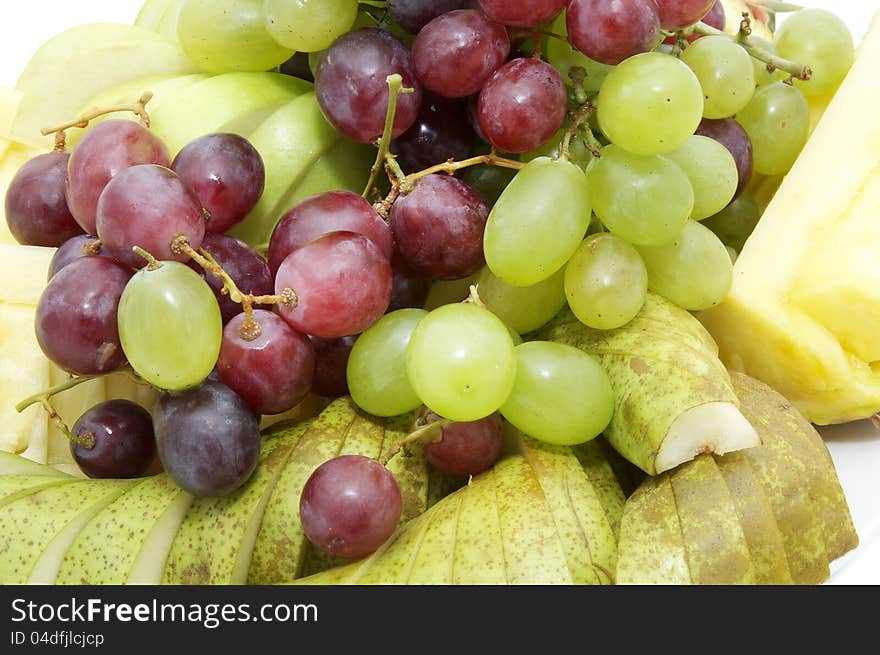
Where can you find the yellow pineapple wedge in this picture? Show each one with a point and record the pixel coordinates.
(804, 311)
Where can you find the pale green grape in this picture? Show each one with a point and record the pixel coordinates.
(606, 282)
(461, 362)
(309, 25)
(725, 72)
(736, 222)
(563, 56)
(523, 309)
(643, 200)
(376, 370)
(170, 326)
(538, 222)
(777, 121)
(694, 271)
(650, 104)
(228, 35)
(762, 74)
(444, 292)
(712, 171)
(561, 396)
(820, 40)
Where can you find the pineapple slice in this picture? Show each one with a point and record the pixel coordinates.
(804, 311)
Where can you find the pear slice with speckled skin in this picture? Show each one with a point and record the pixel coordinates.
(17, 465)
(14, 486)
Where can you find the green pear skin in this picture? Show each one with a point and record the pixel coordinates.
(11, 464)
(597, 460)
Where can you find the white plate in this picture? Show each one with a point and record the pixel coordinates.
(855, 447)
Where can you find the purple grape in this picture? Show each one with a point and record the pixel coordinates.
(466, 448)
(73, 249)
(331, 364)
(678, 14)
(610, 32)
(125, 445)
(441, 132)
(408, 288)
(522, 13)
(732, 136)
(298, 66)
(716, 17)
(413, 15)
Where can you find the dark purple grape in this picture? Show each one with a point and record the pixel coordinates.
(489, 180)
(732, 136)
(456, 53)
(610, 32)
(438, 227)
(322, 213)
(36, 206)
(105, 150)
(522, 13)
(227, 175)
(408, 288)
(351, 84)
(522, 105)
(124, 442)
(272, 372)
(76, 316)
(441, 132)
(413, 15)
(678, 14)
(208, 439)
(298, 66)
(72, 249)
(350, 506)
(331, 363)
(466, 448)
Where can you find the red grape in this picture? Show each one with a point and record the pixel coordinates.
(466, 448)
(272, 372)
(610, 32)
(331, 364)
(732, 136)
(413, 15)
(678, 14)
(352, 88)
(522, 105)
(716, 18)
(456, 53)
(408, 288)
(342, 282)
(438, 227)
(350, 506)
(148, 206)
(76, 316)
(227, 175)
(522, 13)
(105, 150)
(73, 249)
(441, 132)
(36, 206)
(320, 214)
(124, 442)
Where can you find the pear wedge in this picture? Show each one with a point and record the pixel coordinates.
(16, 465)
(150, 14)
(596, 459)
(149, 565)
(18, 485)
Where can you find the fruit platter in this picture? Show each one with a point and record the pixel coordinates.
(470, 292)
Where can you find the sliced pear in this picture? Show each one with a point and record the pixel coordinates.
(598, 459)
(150, 14)
(18, 485)
(16, 465)
(170, 18)
(149, 565)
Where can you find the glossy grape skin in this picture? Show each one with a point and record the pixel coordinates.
(565, 56)
(351, 84)
(441, 132)
(643, 200)
(106, 149)
(562, 396)
(821, 40)
(148, 206)
(408, 288)
(376, 369)
(76, 324)
(678, 14)
(342, 282)
(490, 181)
(350, 506)
(125, 445)
(438, 227)
(725, 72)
(413, 15)
(322, 213)
(466, 448)
(762, 74)
(717, 18)
(208, 439)
(712, 172)
(36, 207)
(522, 309)
(609, 32)
(227, 175)
(523, 13)
(694, 270)
(460, 362)
(307, 26)
(736, 222)
(70, 251)
(170, 326)
(606, 282)
(732, 136)
(331, 361)
(777, 121)
(456, 53)
(222, 36)
(522, 105)
(273, 372)
(650, 104)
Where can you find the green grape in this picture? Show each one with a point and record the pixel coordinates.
(578, 152)
(538, 222)
(228, 35)
(309, 25)
(762, 74)
(376, 370)
(643, 200)
(461, 362)
(712, 171)
(563, 56)
(820, 40)
(725, 72)
(694, 271)
(606, 282)
(650, 104)
(736, 222)
(561, 396)
(445, 292)
(523, 309)
(777, 121)
(170, 326)
(489, 180)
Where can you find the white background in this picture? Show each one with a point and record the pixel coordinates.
(26, 24)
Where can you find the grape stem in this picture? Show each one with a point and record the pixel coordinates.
(139, 108)
(451, 166)
(474, 297)
(773, 5)
(395, 88)
(152, 263)
(579, 124)
(379, 4)
(48, 393)
(426, 434)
